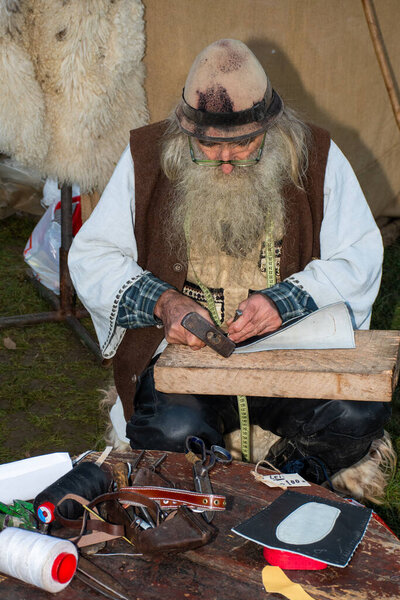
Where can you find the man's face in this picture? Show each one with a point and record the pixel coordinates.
(225, 205)
(227, 151)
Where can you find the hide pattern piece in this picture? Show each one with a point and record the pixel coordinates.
(320, 529)
(71, 85)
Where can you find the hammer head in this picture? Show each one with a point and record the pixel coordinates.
(212, 336)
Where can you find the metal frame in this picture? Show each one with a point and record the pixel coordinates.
(64, 306)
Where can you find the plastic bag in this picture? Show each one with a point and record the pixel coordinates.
(42, 249)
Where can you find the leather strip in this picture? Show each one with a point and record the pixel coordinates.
(258, 112)
(184, 531)
(85, 522)
(171, 498)
(101, 531)
(276, 581)
(89, 539)
(103, 526)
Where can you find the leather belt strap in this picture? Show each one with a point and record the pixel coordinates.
(268, 107)
(85, 522)
(171, 498)
(101, 530)
(180, 530)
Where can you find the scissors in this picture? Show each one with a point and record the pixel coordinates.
(203, 461)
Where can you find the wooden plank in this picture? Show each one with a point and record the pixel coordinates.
(230, 566)
(367, 372)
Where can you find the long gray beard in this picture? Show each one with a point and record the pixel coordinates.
(228, 213)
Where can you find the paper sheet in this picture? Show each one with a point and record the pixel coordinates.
(327, 327)
(25, 479)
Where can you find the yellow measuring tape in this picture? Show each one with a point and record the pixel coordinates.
(243, 407)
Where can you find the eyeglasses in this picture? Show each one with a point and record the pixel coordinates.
(247, 162)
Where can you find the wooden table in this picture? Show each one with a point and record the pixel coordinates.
(367, 372)
(230, 567)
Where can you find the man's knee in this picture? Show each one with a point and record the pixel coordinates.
(355, 419)
(168, 429)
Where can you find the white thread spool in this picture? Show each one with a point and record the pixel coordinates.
(44, 561)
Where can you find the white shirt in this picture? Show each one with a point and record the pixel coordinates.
(103, 256)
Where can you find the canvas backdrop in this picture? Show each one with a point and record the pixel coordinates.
(319, 56)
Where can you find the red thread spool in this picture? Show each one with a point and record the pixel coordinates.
(64, 567)
(45, 512)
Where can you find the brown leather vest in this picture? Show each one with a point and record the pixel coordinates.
(304, 213)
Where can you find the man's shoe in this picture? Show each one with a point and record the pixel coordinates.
(285, 456)
(366, 480)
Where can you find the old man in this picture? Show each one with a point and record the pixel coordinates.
(233, 203)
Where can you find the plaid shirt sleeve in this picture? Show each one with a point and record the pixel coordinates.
(291, 301)
(136, 307)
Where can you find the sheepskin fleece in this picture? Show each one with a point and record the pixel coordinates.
(71, 85)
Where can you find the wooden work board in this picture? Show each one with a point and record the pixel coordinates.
(367, 372)
(229, 568)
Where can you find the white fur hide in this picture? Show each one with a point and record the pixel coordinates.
(71, 85)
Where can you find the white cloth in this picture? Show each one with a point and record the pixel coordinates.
(350, 267)
(102, 259)
(118, 421)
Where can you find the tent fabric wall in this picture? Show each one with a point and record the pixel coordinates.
(319, 56)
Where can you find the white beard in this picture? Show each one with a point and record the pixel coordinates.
(227, 212)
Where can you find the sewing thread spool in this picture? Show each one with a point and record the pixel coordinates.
(86, 479)
(47, 562)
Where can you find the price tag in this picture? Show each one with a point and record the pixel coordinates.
(285, 479)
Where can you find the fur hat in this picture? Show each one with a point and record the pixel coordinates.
(227, 95)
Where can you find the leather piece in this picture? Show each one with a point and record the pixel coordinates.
(87, 523)
(185, 531)
(144, 476)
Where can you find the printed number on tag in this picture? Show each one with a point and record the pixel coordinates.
(287, 479)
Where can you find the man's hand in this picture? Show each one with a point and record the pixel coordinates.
(171, 307)
(260, 316)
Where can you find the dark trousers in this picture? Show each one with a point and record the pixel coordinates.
(337, 432)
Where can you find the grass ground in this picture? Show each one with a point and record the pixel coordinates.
(50, 382)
